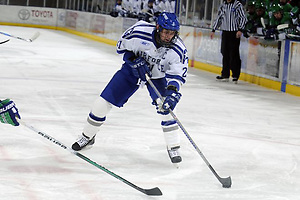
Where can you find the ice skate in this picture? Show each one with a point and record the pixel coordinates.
(235, 80)
(222, 79)
(174, 155)
(82, 142)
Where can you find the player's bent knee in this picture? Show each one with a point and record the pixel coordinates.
(98, 113)
(101, 107)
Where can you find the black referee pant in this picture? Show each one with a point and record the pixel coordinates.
(230, 49)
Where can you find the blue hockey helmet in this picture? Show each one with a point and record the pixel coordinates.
(168, 21)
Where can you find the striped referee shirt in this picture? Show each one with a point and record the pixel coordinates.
(231, 17)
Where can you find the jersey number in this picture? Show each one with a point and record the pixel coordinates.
(184, 72)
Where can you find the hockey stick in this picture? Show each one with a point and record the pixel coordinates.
(263, 22)
(153, 192)
(4, 41)
(282, 26)
(226, 182)
(293, 36)
(35, 36)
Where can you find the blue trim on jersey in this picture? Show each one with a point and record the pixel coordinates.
(179, 54)
(181, 41)
(121, 51)
(175, 77)
(142, 32)
(175, 83)
(140, 37)
(179, 51)
(139, 34)
(179, 48)
(145, 25)
(128, 55)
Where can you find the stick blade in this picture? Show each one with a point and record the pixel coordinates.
(282, 26)
(226, 182)
(4, 41)
(153, 192)
(34, 37)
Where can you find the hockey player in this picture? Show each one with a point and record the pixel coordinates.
(158, 51)
(251, 15)
(149, 12)
(286, 6)
(279, 17)
(9, 112)
(260, 9)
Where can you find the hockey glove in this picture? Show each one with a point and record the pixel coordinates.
(139, 68)
(171, 100)
(246, 33)
(9, 112)
(271, 34)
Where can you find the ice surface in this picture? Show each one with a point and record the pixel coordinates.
(245, 131)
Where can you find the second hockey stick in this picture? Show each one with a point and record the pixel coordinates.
(153, 192)
(282, 26)
(226, 182)
(262, 21)
(35, 36)
(4, 41)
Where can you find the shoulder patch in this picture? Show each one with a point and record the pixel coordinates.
(145, 43)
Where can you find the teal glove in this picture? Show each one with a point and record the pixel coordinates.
(9, 112)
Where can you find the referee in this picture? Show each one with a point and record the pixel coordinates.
(231, 20)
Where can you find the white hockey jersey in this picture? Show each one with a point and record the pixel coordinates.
(170, 62)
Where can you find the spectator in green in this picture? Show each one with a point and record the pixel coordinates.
(251, 16)
(295, 15)
(261, 12)
(269, 4)
(279, 17)
(251, 9)
(287, 7)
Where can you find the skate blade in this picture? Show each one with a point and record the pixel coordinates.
(176, 165)
(222, 80)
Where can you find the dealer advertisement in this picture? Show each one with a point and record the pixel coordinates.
(28, 15)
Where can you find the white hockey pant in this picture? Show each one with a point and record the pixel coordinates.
(96, 116)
